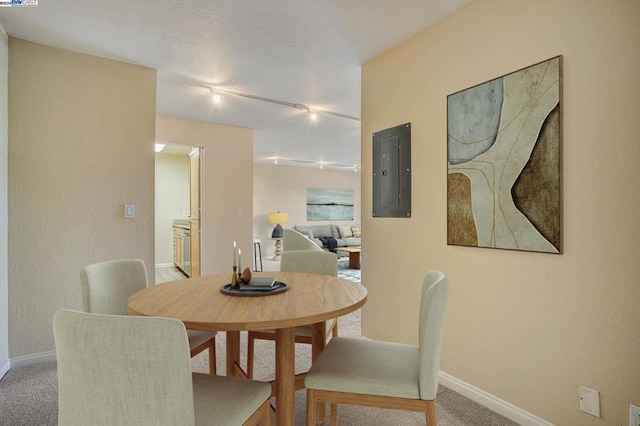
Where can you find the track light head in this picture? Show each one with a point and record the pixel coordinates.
(216, 96)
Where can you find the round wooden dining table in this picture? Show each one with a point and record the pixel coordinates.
(309, 299)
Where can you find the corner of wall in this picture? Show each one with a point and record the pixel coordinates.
(4, 226)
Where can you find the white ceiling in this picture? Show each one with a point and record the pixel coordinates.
(297, 51)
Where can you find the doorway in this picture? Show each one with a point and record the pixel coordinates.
(177, 212)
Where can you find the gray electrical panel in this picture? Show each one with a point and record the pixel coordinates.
(392, 172)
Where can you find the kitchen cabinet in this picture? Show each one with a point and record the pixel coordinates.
(178, 247)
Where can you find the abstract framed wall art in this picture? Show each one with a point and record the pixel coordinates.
(329, 204)
(504, 161)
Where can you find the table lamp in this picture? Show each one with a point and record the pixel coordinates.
(278, 218)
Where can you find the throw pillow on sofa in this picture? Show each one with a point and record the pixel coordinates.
(356, 231)
(345, 231)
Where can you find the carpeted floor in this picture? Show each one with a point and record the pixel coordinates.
(28, 395)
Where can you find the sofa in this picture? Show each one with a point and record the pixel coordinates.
(322, 235)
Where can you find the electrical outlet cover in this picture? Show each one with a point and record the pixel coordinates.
(590, 401)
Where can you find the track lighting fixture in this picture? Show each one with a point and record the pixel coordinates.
(302, 107)
(319, 164)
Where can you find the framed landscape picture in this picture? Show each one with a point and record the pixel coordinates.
(504, 161)
(329, 204)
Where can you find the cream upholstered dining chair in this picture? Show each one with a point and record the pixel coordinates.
(106, 286)
(128, 370)
(384, 374)
(313, 262)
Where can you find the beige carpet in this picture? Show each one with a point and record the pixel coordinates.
(28, 395)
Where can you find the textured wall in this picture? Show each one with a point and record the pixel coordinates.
(529, 328)
(81, 136)
(227, 179)
(4, 300)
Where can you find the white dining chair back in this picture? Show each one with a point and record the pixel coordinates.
(309, 261)
(384, 374)
(116, 370)
(127, 370)
(433, 308)
(106, 286)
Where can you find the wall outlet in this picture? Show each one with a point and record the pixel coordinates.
(590, 401)
(634, 415)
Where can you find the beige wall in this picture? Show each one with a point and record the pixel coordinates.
(4, 299)
(284, 188)
(227, 185)
(171, 199)
(81, 136)
(528, 328)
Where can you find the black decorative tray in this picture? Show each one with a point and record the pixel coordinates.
(278, 287)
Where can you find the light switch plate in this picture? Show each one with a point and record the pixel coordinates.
(590, 401)
(129, 211)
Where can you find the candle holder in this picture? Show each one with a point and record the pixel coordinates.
(235, 281)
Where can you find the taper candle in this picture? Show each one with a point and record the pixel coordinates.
(234, 254)
(239, 261)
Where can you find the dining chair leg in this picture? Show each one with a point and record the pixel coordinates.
(212, 357)
(250, 348)
(318, 343)
(432, 420)
(311, 407)
(334, 414)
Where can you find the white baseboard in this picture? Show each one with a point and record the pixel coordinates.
(491, 402)
(25, 360)
(4, 368)
(165, 265)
